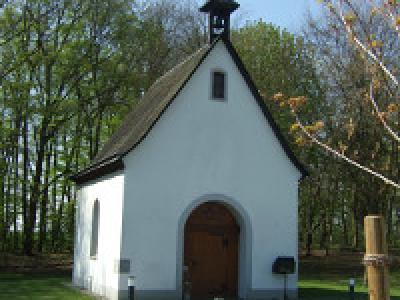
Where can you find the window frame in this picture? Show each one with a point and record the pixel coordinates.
(212, 95)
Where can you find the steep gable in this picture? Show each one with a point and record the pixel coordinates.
(155, 102)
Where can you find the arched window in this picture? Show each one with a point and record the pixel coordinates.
(94, 242)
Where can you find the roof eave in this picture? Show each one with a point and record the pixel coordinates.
(99, 170)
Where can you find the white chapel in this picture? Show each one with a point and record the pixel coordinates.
(196, 194)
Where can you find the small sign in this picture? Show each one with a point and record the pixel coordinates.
(122, 266)
(284, 265)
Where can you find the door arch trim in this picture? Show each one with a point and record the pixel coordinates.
(245, 239)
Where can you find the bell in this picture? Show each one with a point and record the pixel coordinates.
(219, 23)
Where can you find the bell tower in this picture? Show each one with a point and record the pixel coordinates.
(219, 17)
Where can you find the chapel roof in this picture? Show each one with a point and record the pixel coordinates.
(145, 114)
(150, 108)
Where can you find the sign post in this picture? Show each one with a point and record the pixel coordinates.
(284, 265)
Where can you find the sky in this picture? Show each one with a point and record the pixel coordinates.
(289, 14)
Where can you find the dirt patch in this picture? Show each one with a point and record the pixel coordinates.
(44, 263)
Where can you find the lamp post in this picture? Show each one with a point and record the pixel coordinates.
(352, 285)
(131, 287)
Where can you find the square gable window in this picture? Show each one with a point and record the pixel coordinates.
(218, 85)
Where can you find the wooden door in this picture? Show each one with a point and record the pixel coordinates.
(211, 252)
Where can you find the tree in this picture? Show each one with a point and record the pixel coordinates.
(355, 48)
(373, 30)
(278, 60)
(69, 71)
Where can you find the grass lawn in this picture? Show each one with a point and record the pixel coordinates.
(326, 278)
(320, 279)
(336, 289)
(35, 287)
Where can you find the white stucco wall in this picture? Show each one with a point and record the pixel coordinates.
(105, 278)
(204, 147)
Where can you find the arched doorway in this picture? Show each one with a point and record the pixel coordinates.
(211, 252)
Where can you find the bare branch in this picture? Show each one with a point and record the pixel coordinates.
(391, 15)
(380, 115)
(364, 48)
(371, 54)
(329, 149)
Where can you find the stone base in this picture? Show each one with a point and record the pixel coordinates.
(151, 295)
(174, 295)
(277, 294)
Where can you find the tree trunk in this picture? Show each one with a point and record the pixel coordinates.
(16, 180)
(44, 203)
(7, 205)
(309, 226)
(356, 220)
(2, 202)
(97, 134)
(35, 194)
(25, 170)
(344, 221)
(54, 202)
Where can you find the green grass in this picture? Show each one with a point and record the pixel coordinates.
(320, 279)
(331, 289)
(327, 278)
(38, 287)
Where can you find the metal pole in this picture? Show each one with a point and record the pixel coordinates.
(352, 284)
(285, 295)
(131, 287)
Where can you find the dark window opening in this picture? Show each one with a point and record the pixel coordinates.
(218, 91)
(94, 243)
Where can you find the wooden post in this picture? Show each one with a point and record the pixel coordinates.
(376, 258)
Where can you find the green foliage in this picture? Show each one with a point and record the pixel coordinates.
(69, 72)
(279, 62)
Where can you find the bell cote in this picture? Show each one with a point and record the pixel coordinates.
(219, 17)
